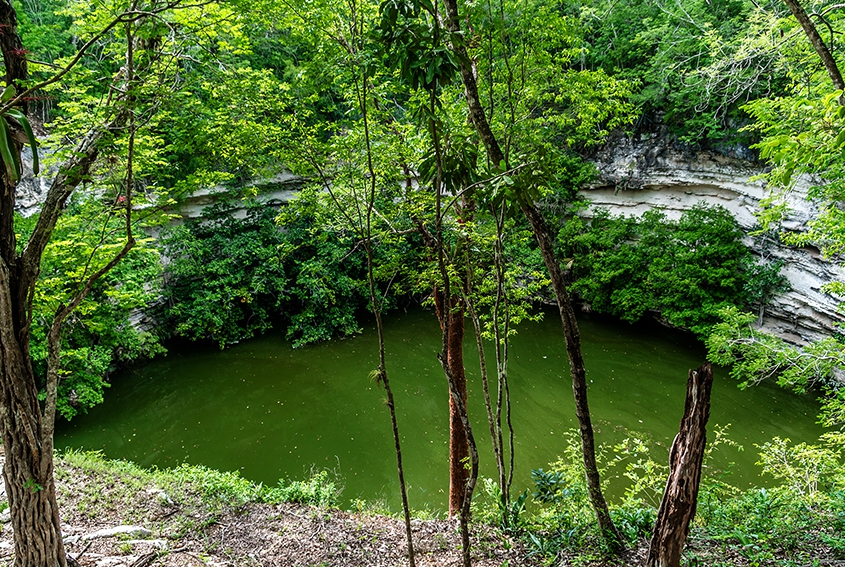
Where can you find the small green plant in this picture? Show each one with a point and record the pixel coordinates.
(634, 523)
(507, 518)
(8, 152)
(319, 490)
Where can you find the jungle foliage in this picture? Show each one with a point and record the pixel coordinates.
(256, 91)
(101, 334)
(364, 100)
(795, 519)
(228, 277)
(686, 271)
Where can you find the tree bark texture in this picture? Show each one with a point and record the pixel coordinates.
(458, 443)
(818, 44)
(677, 509)
(14, 56)
(28, 469)
(26, 430)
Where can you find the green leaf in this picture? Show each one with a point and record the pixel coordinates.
(21, 117)
(6, 151)
(427, 6)
(8, 94)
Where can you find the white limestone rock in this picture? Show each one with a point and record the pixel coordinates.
(641, 174)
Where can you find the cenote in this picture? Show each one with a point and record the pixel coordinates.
(271, 411)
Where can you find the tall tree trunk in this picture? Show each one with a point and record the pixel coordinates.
(447, 355)
(26, 429)
(28, 469)
(677, 509)
(28, 466)
(391, 402)
(579, 379)
(818, 43)
(567, 315)
(367, 236)
(458, 443)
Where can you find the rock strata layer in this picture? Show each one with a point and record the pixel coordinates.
(650, 171)
(638, 174)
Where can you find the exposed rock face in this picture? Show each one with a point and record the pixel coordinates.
(651, 172)
(31, 190)
(638, 175)
(273, 192)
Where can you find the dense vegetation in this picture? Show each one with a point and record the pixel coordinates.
(686, 271)
(255, 275)
(406, 197)
(795, 520)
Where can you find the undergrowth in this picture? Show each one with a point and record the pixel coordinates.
(798, 520)
(211, 488)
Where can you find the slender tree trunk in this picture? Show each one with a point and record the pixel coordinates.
(677, 509)
(579, 380)
(500, 313)
(391, 403)
(567, 315)
(818, 43)
(382, 356)
(493, 424)
(458, 444)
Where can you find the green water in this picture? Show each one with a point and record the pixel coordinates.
(273, 412)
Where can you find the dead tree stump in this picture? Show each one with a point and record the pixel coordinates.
(685, 459)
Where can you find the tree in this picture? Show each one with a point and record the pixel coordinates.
(801, 137)
(136, 79)
(544, 239)
(818, 43)
(26, 429)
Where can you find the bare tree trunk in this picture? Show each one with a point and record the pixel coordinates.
(677, 509)
(579, 379)
(391, 403)
(447, 354)
(818, 44)
(28, 469)
(458, 444)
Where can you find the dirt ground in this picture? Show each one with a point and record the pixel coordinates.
(186, 528)
(177, 532)
(286, 535)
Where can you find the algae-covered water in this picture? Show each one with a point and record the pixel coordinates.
(271, 411)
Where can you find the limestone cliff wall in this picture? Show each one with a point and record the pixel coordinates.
(652, 172)
(637, 175)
